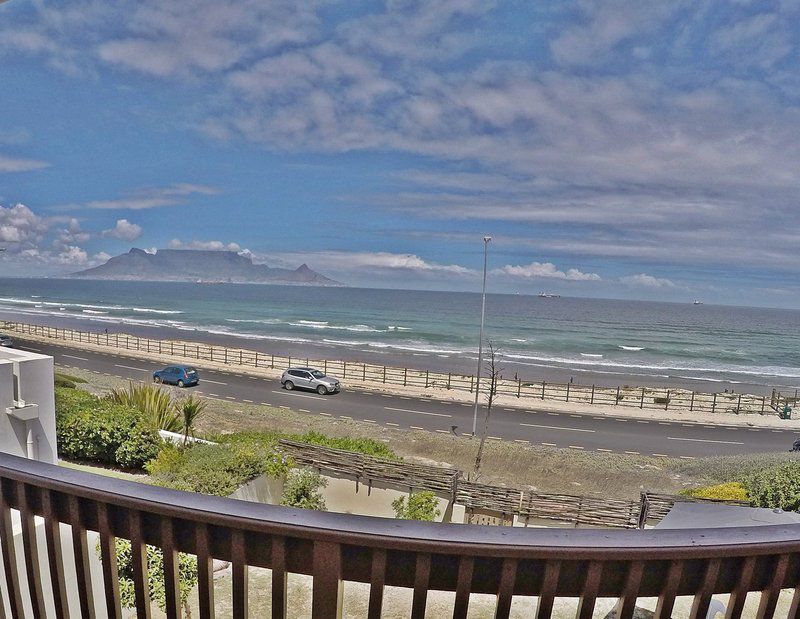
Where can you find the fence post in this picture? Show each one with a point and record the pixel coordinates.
(364, 373)
(384, 374)
(763, 403)
(543, 383)
(617, 400)
(427, 374)
(290, 362)
(405, 376)
(641, 403)
(568, 384)
(519, 387)
(471, 384)
(325, 366)
(666, 401)
(691, 403)
(714, 403)
(739, 404)
(226, 355)
(256, 358)
(212, 352)
(591, 401)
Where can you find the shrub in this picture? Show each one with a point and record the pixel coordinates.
(187, 575)
(302, 489)
(420, 506)
(89, 428)
(213, 469)
(367, 446)
(731, 491)
(776, 487)
(153, 402)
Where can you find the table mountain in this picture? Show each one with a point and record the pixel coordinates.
(192, 265)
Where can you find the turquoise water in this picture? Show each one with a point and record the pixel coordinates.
(590, 340)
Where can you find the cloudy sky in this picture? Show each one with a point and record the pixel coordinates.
(617, 148)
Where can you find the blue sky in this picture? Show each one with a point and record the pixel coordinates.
(619, 148)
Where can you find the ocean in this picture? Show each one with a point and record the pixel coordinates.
(591, 341)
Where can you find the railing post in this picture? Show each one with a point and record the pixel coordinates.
(666, 401)
(568, 384)
(426, 379)
(326, 602)
(448, 379)
(543, 384)
(405, 377)
(641, 403)
(616, 402)
(739, 404)
(763, 403)
(591, 401)
(364, 373)
(714, 403)
(691, 403)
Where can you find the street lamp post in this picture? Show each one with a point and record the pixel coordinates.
(486, 240)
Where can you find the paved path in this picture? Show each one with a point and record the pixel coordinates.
(538, 427)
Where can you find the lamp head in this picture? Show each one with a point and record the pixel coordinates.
(486, 239)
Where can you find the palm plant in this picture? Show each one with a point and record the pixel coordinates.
(188, 410)
(153, 402)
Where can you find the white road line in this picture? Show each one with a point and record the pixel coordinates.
(214, 395)
(578, 416)
(703, 440)
(516, 440)
(304, 410)
(345, 417)
(443, 431)
(466, 405)
(78, 358)
(384, 395)
(603, 449)
(370, 421)
(494, 438)
(299, 395)
(248, 401)
(326, 414)
(407, 410)
(130, 367)
(536, 425)
(687, 457)
(213, 382)
(575, 447)
(661, 455)
(549, 444)
(389, 423)
(553, 414)
(632, 453)
(416, 427)
(32, 348)
(641, 421)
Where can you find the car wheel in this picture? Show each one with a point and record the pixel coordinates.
(156, 379)
(181, 384)
(288, 385)
(322, 390)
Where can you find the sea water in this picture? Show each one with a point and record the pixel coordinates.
(557, 339)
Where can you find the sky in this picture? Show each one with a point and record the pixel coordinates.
(619, 149)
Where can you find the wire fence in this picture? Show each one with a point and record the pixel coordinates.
(367, 373)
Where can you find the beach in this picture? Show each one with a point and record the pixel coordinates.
(588, 341)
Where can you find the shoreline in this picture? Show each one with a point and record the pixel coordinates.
(602, 405)
(527, 372)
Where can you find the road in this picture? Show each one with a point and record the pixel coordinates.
(537, 427)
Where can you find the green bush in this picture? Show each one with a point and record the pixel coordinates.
(154, 403)
(65, 380)
(420, 506)
(302, 489)
(187, 575)
(213, 469)
(731, 491)
(90, 428)
(775, 487)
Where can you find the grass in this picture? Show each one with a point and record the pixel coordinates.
(102, 470)
(504, 463)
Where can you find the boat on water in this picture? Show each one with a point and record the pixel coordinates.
(549, 295)
(697, 302)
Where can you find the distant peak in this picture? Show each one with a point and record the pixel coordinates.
(303, 268)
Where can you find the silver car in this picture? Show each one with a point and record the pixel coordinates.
(6, 340)
(309, 378)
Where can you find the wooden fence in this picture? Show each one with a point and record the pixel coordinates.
(508, 502)
(366, 373)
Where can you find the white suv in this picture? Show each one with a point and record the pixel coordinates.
(309, 378)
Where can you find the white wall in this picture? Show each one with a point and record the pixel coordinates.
(27, 378)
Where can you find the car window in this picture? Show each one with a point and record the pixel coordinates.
(295, 373)
(317, 374)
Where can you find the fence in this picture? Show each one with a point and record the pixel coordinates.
(332, 549)
(450, 483)
(522, 389)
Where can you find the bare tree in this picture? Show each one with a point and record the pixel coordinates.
(493, 373)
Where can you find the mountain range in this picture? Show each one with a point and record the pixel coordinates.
(193, 265)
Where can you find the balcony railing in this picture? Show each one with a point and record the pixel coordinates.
(332, 548)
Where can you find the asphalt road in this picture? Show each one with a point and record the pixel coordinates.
(538, 427)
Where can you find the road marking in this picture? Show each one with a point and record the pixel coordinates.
(253, 378)
(553, 414)
(443, 431)
(617, 419)
(510, 410)
(32, 348)
(661, 455)
(384, 395)
(407, 410)
(536, 425)
(130, 367)
(229, 397)
(370, 421)
(345, 417)
(466, 405)
(687, 457)
(602, 449)
(753, 429)
(266, 404)
(214, 382)
(516, 440)
(78, 358)
(248, 401)
(578, 416)
(214, 395)
(326, 414)
(632, 453)
(416, 427)
(663, 423)
(299, 395)
(641, 421)
(575, 447)
(404, 397)
(389, 423)
(549, 444)
(703, 440)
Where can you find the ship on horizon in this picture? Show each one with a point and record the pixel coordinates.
(549, 295)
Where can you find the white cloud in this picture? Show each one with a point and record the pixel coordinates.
(72, 256)
(205, 245)
(536, 270)
(20, 227)
(148, 197)
(124, 230)
(344, 261)
(647, 281)
(13, 164)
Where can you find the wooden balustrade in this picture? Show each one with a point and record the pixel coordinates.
(331, 548)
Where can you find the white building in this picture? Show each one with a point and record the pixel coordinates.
(27, 407)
